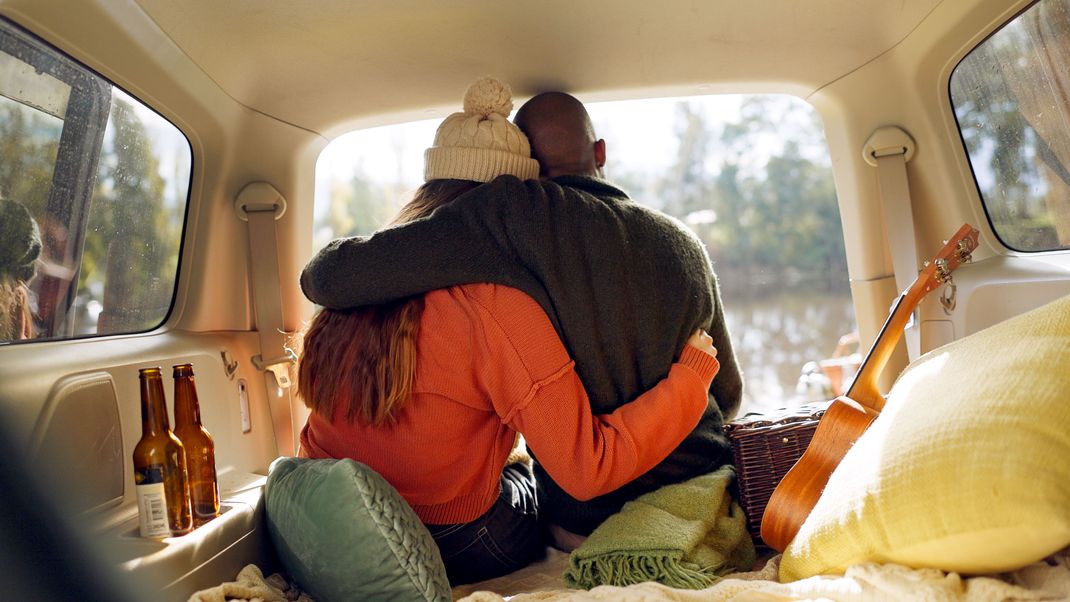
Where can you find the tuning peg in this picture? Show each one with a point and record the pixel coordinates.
(943, 271)
(963, 252)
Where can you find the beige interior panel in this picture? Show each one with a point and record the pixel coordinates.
(207, 556)
(78, 440)
(30, 371)
(1004, 287)
(395, 56)
(936, 333)
(990, 291)
(99, 409)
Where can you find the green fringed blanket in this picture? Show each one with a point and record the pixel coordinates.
(684, 535)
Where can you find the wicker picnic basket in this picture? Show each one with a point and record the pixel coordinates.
(765, 447)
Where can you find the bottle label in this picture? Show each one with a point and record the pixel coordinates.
(151, 502)
(149, 475)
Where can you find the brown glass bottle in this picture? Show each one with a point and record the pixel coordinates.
(200, 449)
(159, 460)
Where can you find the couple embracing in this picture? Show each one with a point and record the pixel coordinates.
(518, 292)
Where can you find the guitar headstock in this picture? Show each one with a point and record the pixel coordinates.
(956, 251)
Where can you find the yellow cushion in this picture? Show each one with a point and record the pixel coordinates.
(967, 469)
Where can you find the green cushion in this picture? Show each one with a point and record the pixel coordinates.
(344, 533)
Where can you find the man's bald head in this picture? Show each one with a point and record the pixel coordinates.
(562, 136)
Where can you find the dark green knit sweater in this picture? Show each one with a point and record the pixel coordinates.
(624, 286)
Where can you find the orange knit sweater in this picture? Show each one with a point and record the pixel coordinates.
(489, 364)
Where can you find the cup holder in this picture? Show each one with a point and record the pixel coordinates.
(135, 532)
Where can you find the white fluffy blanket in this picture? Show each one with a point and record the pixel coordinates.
(1048, 580)
(252, 586)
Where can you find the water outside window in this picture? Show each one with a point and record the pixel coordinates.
(749, 174)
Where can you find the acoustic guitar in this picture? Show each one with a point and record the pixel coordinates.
(849, 415)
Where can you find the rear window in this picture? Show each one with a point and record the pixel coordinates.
(94, 187)
(1011, 96)
(750, 175)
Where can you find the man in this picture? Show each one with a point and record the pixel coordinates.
(624, 285)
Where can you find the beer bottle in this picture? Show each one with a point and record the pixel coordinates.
(159, 466)
(200, 450)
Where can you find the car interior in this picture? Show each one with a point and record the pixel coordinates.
(167, 152)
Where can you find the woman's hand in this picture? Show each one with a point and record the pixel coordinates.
(703, 342)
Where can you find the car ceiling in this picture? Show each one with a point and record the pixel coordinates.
(319, 64)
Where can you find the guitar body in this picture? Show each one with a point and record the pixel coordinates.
(850, 415)
(842, 424)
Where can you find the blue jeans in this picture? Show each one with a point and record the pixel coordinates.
(506, 538)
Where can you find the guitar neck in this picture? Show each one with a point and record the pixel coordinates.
(864, 388)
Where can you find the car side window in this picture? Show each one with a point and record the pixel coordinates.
(1011, 96)
(94, 186)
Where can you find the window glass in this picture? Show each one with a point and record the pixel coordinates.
(749, 174)
(93, 187)
(1011, 96)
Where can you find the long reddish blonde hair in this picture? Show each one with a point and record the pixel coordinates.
(364, 359)
(16, 319)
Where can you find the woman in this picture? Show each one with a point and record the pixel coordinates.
(431, 391)
(20, 245)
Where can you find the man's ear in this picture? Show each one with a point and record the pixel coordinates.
(600, 153)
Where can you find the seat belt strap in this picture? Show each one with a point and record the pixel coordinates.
(260, 205)
(889, 149)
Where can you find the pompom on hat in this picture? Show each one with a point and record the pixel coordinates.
(480, 143)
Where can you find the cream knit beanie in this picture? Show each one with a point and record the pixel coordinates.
(480, 143)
